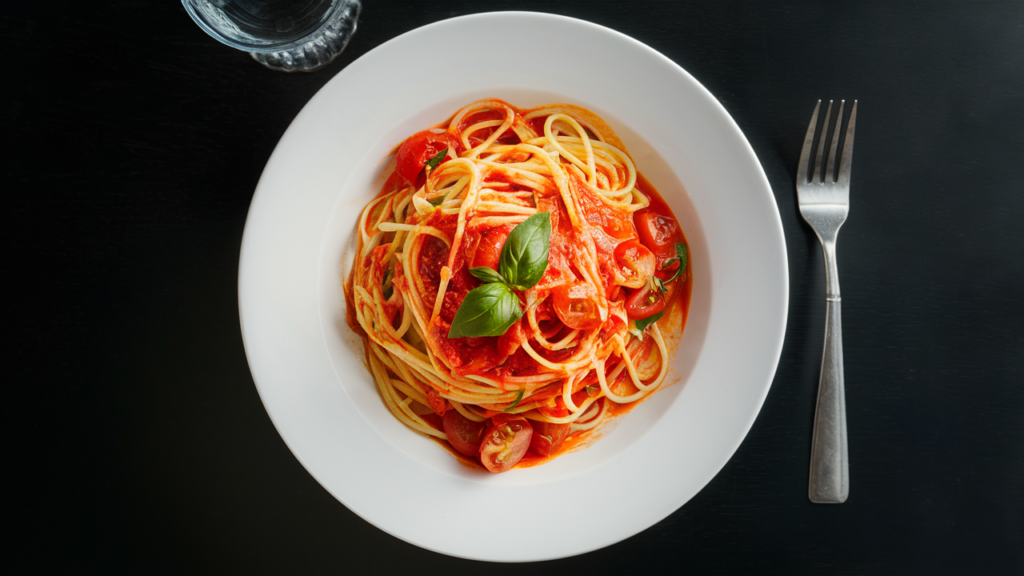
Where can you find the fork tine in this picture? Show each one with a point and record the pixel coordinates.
(831, 170)
(819, 168)
(847, 160)
(805, 152)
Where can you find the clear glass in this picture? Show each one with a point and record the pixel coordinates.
(288, 35)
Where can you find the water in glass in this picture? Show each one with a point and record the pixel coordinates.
(284, 35)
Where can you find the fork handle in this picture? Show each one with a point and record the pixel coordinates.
(830, 467)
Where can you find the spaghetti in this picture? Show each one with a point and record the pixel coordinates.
(538, 367)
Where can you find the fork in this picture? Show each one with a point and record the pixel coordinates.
(824, 199)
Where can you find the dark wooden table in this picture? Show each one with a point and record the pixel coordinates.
(139, 443)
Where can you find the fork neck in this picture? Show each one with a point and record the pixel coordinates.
(828, 245)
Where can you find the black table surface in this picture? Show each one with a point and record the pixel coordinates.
(140, 443)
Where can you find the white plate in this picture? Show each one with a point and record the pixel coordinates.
(307, 364)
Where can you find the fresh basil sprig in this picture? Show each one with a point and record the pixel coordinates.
(524, 257)
(490, 309)
(487, 310)
(486, 274)
(681, 257)
(642, 324)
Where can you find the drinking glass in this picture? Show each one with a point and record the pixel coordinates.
(288, 35)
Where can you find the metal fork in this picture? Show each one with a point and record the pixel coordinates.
(824, 199)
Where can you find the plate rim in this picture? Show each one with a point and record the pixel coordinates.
(250, 230)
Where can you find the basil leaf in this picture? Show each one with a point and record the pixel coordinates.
(681, 257)
(661, 284)
(516, 403)
(487, 310)
(524, 257)
(433, 162)
(642, 325)
(436, 201)
(486, 274)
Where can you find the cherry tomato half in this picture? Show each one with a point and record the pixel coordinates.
(645, 302)
(576, 305)
(464, 434)
(635, 262)
(488, 251)
(659, 233)
(420, 147)
(548, 437)
(505, 442)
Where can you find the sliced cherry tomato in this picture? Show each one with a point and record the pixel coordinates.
(488, 251)
(635, 262)
(420, 147)
(505, 442)
(576, 305)
(645, 302)
(464, 434)
(659, 233)
(548, 437)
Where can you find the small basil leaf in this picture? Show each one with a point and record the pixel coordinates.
(661, 284)
(524, 257)
(681, 257)
(516, 403)
(433, 162)
(486, 274)
(681, 251)
(436, 201)
(642, 325)
(488, 310)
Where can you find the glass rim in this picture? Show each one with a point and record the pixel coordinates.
(198, 18)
